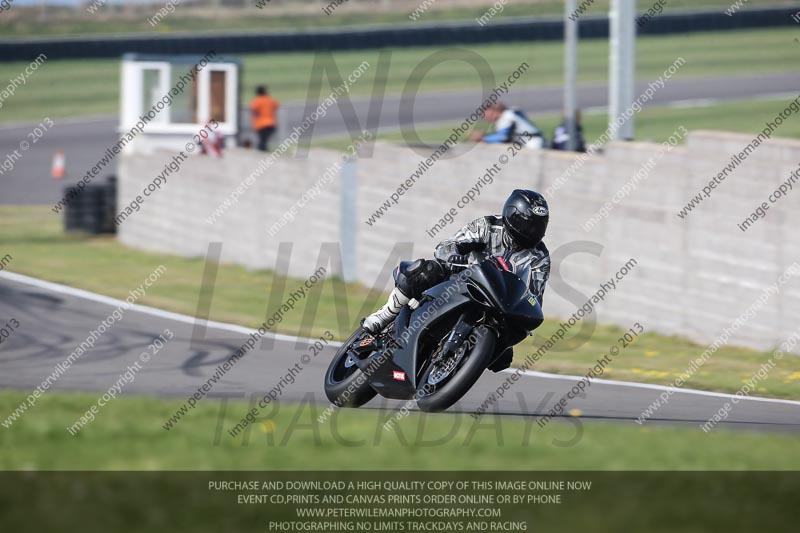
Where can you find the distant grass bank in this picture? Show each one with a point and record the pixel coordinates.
(80, 88)
(298, 14)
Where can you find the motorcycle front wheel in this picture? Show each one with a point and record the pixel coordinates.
(444, 382)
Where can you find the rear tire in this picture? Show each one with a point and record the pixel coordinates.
(435, 398)
(347, 386)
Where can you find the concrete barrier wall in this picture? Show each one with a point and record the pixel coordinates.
(693, 276)
(174, 219)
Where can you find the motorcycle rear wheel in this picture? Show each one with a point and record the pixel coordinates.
(345, 383)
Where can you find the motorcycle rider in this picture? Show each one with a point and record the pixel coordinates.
(510, 125)
(516, 235)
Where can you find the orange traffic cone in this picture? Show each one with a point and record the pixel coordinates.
(58, 165)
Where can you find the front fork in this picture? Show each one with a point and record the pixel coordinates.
(459, 335)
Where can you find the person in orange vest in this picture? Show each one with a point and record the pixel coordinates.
(263, 109)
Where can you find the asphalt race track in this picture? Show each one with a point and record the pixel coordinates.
(54, 320)
(85, 140)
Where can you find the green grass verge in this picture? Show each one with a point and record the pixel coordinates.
(128, 435)
(61, 22)
(74, 88)
(33, 237)
(655, 124)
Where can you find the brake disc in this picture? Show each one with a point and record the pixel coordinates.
(440, 373)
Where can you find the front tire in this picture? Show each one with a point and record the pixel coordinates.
(345, 383)
(437, 397)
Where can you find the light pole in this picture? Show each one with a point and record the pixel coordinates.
(622, 58)
(570, 73)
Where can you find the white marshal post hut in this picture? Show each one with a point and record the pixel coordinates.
(165, 101)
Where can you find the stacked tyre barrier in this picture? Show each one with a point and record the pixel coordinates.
(92, 211)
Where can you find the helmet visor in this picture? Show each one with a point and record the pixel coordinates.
(525, 226)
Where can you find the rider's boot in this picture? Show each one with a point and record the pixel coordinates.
(375, 322)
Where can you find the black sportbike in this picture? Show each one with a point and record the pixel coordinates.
(436, 352)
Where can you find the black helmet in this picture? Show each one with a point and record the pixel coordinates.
(525, 217)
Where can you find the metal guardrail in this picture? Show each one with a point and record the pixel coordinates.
(438, 34)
